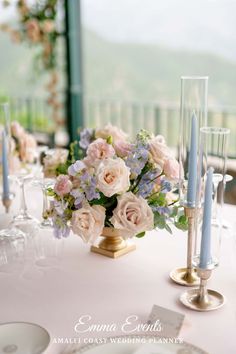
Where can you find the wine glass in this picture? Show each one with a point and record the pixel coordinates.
(12, 248)
(44, 184)
(23, 219)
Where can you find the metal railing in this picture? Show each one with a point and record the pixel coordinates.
(159, 118)
(33, 113)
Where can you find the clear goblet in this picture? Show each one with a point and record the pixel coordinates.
(44, 184)
(23, 220)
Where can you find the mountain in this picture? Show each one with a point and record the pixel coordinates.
(124, 71)
(151, 72)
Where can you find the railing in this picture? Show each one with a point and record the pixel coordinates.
(33, 114)
(36, 116)
(156, 117)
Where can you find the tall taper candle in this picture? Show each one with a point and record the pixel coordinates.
(205, 255)
(192, 163)
(5, 171)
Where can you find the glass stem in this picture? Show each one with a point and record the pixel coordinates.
(214, 216)
(45, 202)
(23, 206)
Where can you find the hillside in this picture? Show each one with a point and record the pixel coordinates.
(124, 71)
(148, 72)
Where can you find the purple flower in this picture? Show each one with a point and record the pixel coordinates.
(60, 206)
(77, 167)
(137, 159)
(79, 197)
(86, 137)
(147, 183)
(60, 227)
(162, 210)
(165, 186)
(88, 184)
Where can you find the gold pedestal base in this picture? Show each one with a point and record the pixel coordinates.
(212, 301)
(113, 254)
(113, 244)
(184, 277)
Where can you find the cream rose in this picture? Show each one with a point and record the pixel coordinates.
(88, 222)
(17, 130)
(132, 214)
(159, 150)
(110, 130)
(113, 177)
(97, 151)
(171, 169)
(27, 148)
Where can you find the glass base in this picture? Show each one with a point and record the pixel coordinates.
(12, 248)
(46, 224)
(26, 223)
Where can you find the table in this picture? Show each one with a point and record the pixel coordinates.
(110, 290)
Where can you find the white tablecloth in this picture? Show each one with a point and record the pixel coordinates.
(110, 290)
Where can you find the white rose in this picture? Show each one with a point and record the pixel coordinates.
(111, 130)
(88, 222)
(113, 177)
(132, 214)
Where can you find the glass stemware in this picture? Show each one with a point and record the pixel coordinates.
(12, 248)
(44, 184)
(214, 143)
(23, 218)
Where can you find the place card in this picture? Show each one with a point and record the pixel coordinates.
(171, 321)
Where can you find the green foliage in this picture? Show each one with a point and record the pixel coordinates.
(141, 234)
(182, 223)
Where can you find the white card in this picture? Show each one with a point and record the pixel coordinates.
(171, 321)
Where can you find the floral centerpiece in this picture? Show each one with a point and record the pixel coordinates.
(23, 147)
(118, 184)
(53, 160)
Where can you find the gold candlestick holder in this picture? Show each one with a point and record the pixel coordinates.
(6, 201)
(203, 299)
(187, 276)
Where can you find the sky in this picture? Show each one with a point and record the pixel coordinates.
(205, 25)
(208, 25)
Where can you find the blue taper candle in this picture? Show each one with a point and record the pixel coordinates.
(205, 255)
(192, 163)
(5, 170)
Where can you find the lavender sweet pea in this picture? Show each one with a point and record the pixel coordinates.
(76, 168)
(86, 137)
(137, 159)
(147, 183)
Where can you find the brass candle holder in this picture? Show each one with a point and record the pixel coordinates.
(203, 299)
(6, 201)
(187, 276)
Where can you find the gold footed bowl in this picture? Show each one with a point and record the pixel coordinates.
(113, 244)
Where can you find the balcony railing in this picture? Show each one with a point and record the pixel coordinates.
(158, 118)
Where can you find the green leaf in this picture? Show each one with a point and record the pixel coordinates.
(62, 169)
(141, 234)
(109, 140)
(50, 192)
(174, 212)
(182, 223)
(167, 227)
